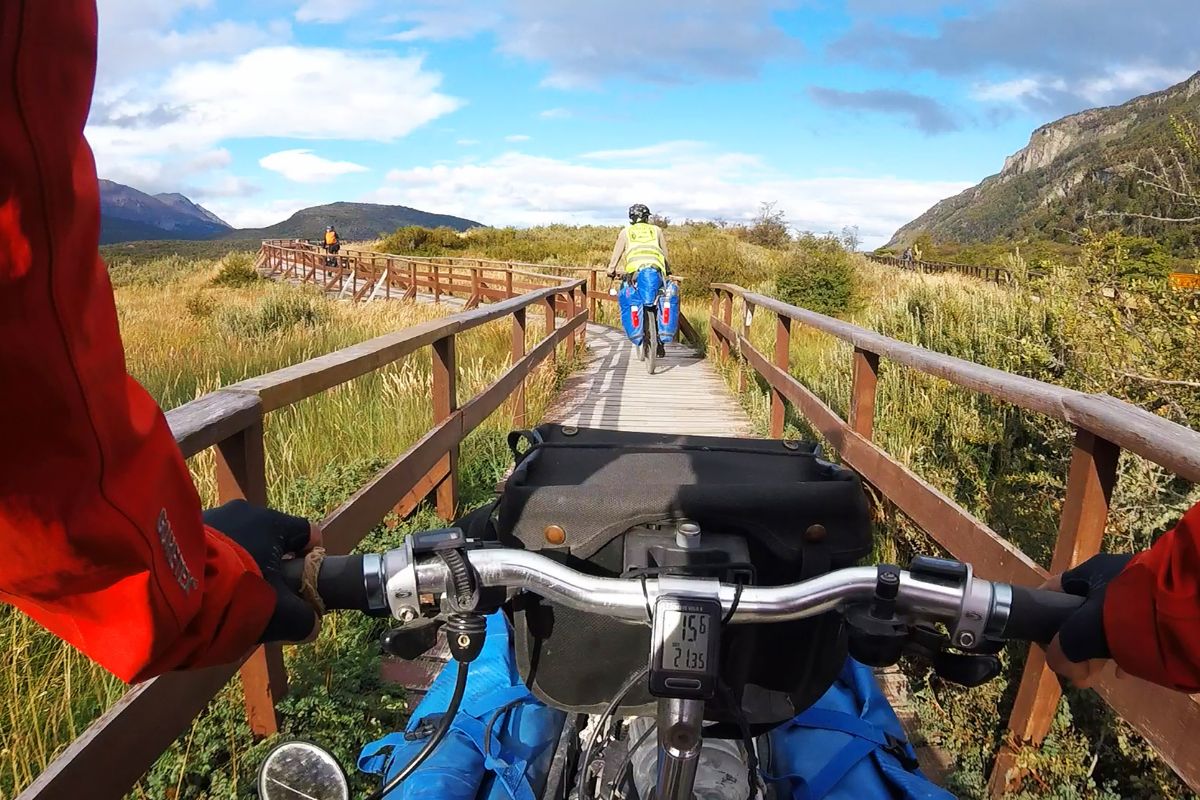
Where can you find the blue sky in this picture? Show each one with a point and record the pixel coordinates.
(521, 112)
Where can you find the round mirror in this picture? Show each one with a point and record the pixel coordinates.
(302, 771)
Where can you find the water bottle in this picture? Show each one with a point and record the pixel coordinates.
(720, 775)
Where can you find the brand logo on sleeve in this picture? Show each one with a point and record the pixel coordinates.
(179, 567)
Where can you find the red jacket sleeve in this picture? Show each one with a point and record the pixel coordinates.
(102, 537)
(1152, 610)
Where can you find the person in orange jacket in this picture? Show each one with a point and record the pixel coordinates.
(103, 537)
(104, 541)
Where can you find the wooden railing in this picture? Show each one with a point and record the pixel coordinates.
(112, 754)
(995, 274)
(366, 276)
(1103, 427)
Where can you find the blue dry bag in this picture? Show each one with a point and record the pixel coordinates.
(847, 746)
(499, 746)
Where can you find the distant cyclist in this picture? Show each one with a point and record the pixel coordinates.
(639, 244)
(333, 243)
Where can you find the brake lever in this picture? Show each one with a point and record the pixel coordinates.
(966, 669)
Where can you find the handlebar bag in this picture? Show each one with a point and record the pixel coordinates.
(849, 745)
(786, 511)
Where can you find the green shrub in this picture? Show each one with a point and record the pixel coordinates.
(155, 272)
(273, 314)
(817, 277)
(200, 305)
(414, 239)
(237, 270)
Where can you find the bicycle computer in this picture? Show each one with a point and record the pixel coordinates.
(685, 647)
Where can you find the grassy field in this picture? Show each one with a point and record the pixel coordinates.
(186, 334)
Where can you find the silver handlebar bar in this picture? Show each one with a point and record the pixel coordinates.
(973, 609)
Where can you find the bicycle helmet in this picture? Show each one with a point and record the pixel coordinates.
(639, 212)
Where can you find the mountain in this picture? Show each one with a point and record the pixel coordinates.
(1075, 173)
(354, 221)
(185, 206)
(127, 214)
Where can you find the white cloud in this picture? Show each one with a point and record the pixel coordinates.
(516, 137)
(556, 113)
(1115, 86)
(152, 128)
(695, 182)
(304, 166)
(259, 215)
(137, 36)
(327, 11)
(444, 20)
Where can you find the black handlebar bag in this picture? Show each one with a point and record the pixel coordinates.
(607, 503)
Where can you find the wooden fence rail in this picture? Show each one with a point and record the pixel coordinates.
(116, 750)
(1103, 425)
(366, 275)
(995, 274)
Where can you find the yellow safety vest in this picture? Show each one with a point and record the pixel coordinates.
(641, 247)
(331, 237)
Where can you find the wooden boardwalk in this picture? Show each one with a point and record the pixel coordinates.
(614, 391)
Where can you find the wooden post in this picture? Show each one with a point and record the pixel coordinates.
(437, 284)
(508, 287)
(569, 312)
(593, 293)
(783, 345)
(583, 303)
(727, 318)
(1080, 534)
(743, 367)
(241, 474)
(713, 313)
(445, 403)
(862, 395)
(518, 352)
(549, 324)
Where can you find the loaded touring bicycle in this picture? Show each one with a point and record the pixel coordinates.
(670, 617)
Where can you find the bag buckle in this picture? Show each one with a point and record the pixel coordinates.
(898, 749)
(424, 728)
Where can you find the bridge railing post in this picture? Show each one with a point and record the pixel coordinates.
(727, 318)
(593, 292)
(445, 403)
(714, 313)
(242, 475)
(863, 392)
(1090, 482)
(743, 367)
(783, 347)
(583, 303)
(508, 282)
(437, 283)
(518, 352)
(549, 307)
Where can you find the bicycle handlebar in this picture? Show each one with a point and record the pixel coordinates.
(393, 583)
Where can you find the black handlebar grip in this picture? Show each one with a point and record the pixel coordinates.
(1037, 614)
(339, 583)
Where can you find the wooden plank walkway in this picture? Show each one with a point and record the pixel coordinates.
(613, 391)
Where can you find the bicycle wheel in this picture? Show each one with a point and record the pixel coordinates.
(651, 342)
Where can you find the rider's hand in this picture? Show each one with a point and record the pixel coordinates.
(1080, 650)
(268, 536)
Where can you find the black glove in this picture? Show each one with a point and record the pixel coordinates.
(267, 535)
(1082, 636)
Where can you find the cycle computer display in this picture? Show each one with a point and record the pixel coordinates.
(685, 647)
